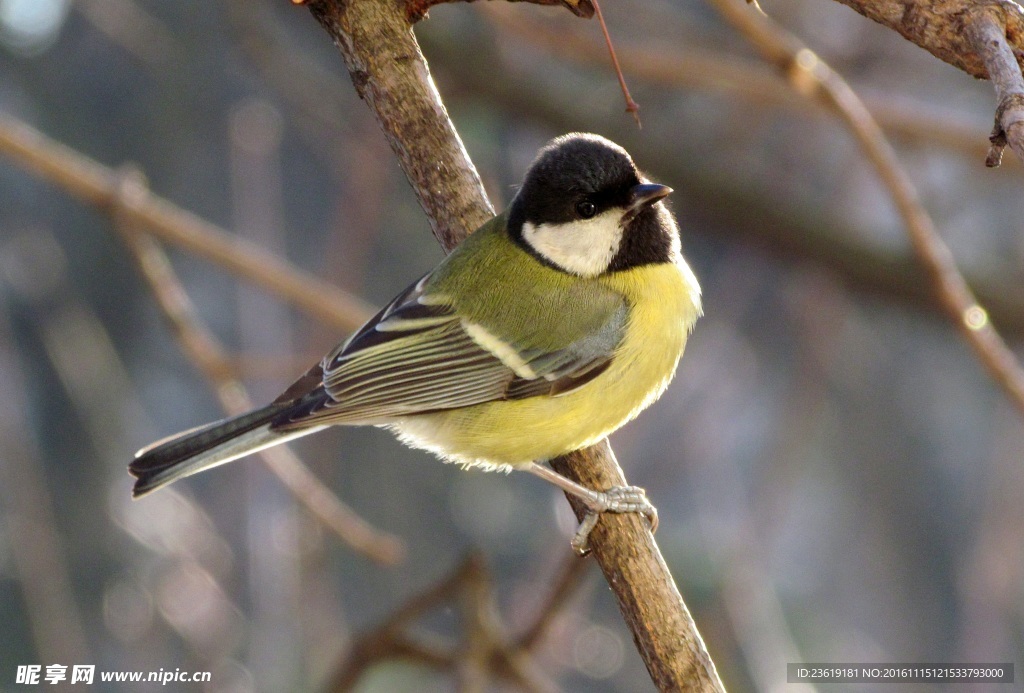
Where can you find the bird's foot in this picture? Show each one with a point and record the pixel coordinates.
(618, 499)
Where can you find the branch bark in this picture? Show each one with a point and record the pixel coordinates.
(663, 629)
(988, 35)
(416, 10)
(939, 26)
(388, 70)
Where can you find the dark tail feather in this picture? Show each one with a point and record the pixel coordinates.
(201, 448)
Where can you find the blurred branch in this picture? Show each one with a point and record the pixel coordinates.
(813, 79)
(134, 207)
(96, 184)
(31, 531)
(484, 652)
(133, 28)
(81, 354)
(208, 355)
(486, 646)
(390, 73)
(334, 127)
(565, 583)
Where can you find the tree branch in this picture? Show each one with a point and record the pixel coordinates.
(484, 650)
(390, 73)
(663, 629)
(38, 559)
(988, 35)
(417, 9)
(134, 208)
(939, 26)
(981, 37)
(566, 582)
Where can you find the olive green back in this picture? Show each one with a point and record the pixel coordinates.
(492, 281)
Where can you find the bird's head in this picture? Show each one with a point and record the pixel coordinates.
(585, 209)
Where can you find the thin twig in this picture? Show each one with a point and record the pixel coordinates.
(208, 355)
(813, 79)
(96, 184)
(632, 107)
(988, 34)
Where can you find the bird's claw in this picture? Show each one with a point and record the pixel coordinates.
(618, 499)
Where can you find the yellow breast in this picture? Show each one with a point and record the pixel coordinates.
(664, 302)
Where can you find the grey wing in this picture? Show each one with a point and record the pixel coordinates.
(562, 371)
(418, 356)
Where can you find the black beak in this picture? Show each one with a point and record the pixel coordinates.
(644, 195)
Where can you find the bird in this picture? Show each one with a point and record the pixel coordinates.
(544, 331)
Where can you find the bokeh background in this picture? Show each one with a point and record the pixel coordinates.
(838, 479)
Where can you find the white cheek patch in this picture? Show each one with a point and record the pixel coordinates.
(585, 247)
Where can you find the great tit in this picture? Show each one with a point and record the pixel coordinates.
(547, 329)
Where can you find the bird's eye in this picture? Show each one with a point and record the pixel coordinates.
(586, 209)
